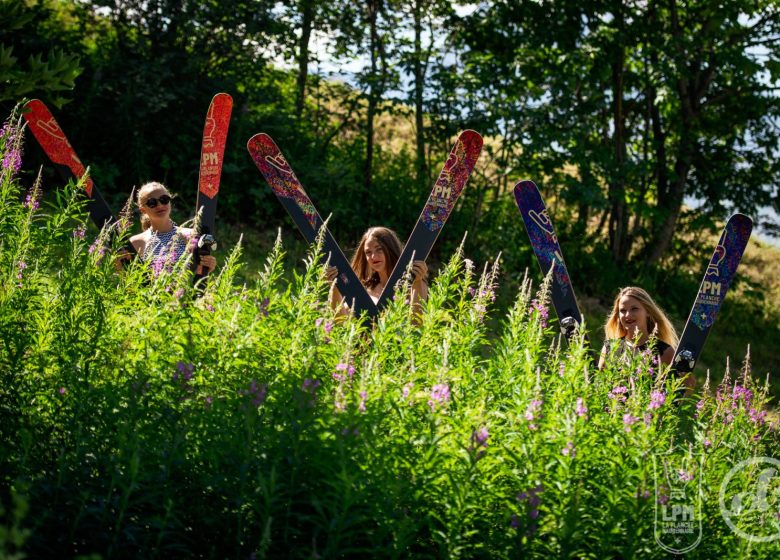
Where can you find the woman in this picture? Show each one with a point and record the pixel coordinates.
(162, 243)
(634, 317)
(374, 261)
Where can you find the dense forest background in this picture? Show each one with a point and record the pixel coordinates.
(645, 123)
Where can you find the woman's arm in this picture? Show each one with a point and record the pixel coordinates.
(419, 289)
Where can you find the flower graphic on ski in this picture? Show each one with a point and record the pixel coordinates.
(452, 179)
(280, 176)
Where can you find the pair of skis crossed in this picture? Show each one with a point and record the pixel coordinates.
(720, 272)
(285, 185)
(52, 139)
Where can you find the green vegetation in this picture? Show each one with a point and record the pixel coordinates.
(139, 421)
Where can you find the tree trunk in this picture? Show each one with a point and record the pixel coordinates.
(307, 16)
(691, 86)
(419, 86)
(618, 222)
(373, 15)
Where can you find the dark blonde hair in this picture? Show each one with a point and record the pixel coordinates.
(391, 246)
(143, 196)
(656, 319)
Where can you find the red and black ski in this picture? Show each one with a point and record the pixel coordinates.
(282, 180)
(57, 147)
(717, 279)
(548, 253)
(441, 201)
(212, 150)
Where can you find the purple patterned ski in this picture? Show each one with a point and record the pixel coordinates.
(444, 195)
(717, 279)
(282, 180)
(548, 253)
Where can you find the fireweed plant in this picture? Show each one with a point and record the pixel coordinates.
(140, 421)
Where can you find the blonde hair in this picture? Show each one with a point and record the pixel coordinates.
(391, 246)
(143, 195)
(656, 319)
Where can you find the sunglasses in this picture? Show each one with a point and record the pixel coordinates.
(153, 202)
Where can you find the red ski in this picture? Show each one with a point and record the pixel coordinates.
(212, 150)
(52, 139)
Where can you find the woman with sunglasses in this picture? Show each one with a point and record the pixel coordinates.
(162, 243)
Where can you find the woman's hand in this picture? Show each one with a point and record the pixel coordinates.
(420, 271)
(331, 273)
(209, 262)
(122, 258)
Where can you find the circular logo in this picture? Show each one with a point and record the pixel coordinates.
(750, 505)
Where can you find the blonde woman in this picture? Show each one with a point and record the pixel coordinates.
(374, 261)
(162, 243)
(634, 318)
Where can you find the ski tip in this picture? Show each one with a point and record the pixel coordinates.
(223, 97)
(525, 184)
(35, 106)
(471, 137)
(741, 219)
(257, 140)
(524, 188)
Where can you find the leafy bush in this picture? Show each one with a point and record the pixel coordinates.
(140, 421)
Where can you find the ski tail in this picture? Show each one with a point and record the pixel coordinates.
(212, 151)
(548, 254)
(288, 190)
(53, 141)
(720, 272)
(445, 193)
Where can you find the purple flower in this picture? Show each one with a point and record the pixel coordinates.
(700, 404)
(480, 437)
(22, 267)
(684, 475)
(569, 450)
(581, 410)
(543, 312)
(742, 393)
(13, 161)
(407, 389)
(178, 293)
(629, 420)
(264, 307)
(514, 521)
(531, 412)
(340, 377)
(257, 391)
(707, 442)
(62, 390)
(80, 232)
(362, 405)
(657, 400)
(757, 416)
(184, 370)
(472, 291)
(440, 395)
(618, 393)
(561, 369)
(642, 494)
(310, 386)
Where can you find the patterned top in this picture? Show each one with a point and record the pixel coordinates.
(164, 249)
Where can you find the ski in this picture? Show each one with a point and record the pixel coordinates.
(211, 158)
(285, 185)
(438, 208)
(717, 279)
(52, 139)
(548, 253)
